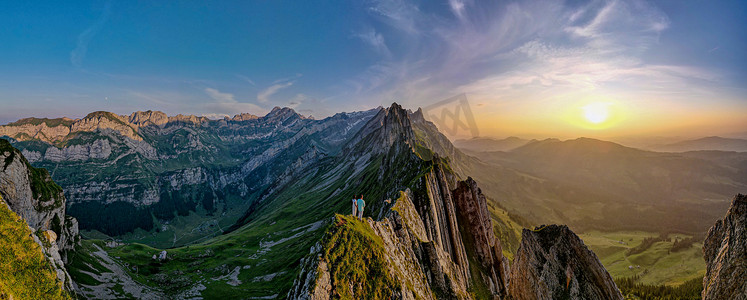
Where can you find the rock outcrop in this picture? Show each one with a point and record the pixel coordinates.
(475, 218)
(421, 241)
(32, 195)
(146, 118)
(437, 237)
(553, 263)
(102, 120)
(243, 117)
(725, 253)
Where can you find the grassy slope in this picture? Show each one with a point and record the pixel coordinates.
(356, 258)
(24, 271)
(657, 265)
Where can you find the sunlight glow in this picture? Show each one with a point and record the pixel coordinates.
(596, 112)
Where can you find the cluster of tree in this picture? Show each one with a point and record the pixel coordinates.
(647, 243)
(681, 244)
(115, 218)
(630, 286)
(121, 217)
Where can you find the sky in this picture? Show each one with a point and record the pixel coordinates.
(528, 68)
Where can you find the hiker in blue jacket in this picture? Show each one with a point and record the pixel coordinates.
(355, 205)
(361, 205)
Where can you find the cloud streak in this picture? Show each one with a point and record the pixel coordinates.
(264, 95)
(226, 104)
(375, 40)
(85, 37)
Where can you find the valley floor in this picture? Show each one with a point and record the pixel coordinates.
(656, 264)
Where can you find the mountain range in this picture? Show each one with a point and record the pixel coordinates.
(257, 207)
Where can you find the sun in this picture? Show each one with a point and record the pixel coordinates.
(596, 112)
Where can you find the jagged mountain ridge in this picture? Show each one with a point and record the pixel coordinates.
(142, 168)
(436, 240)
(421, 231)
(260, 256)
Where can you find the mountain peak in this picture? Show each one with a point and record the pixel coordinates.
(244, 117)
(283, 113)
(149, 117)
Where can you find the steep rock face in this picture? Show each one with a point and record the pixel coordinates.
(32, 195)
(145, 118)
(422, 242)
(22, 130)
(553, 263)
(244, 117)
(429, 233)
(474, 217)
(99, 149)
(725, 253)
(102, 120)
(444, 249)
(30, 264)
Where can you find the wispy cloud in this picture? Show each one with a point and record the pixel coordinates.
(375, 40)
(264, 96)
(399, 14)
(458, 8)
(247, 79)
(289, 78)
(226, 104)
(219, 96)
(84, 38)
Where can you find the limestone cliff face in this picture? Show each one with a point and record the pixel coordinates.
(475, 218)
(32, 195)
(725, 253)
(437, 238)
(553, 263)
(27, 130)
(423, 243)
(244, 117)
(146, 118)
(101, 120)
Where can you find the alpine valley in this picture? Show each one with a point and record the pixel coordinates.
(151, 206)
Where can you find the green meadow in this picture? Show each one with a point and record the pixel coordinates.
(656, 264)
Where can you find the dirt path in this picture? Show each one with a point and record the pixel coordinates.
(116, 284)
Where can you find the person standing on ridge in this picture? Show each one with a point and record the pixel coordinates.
(361, 205)
(355, 205)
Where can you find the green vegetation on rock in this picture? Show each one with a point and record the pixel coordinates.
(357, 259)
(24, 271)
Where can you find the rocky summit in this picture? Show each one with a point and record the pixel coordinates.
(725, 253)
(553, 263)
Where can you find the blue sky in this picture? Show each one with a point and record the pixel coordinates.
(526, 66)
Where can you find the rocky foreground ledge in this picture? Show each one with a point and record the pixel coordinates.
(553, 263)
(725, 253)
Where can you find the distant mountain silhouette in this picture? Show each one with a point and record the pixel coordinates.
(599, 184)
(706, 143)
(479, 144)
